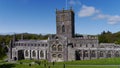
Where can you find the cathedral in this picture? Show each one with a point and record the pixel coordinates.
(64, 45)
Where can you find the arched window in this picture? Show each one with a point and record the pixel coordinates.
(92, 53)
(53, 55)
(63, 28)
(59, 55)
(117, 54)
(59, 47)
(54, 48)
(80, 52)
(80, 45)
(86, 45)
(101, 53)
(109, 54)
(56, 37)
(26, 53)
(85, 53)
(41, 54)
(92, 45)
(33, 53)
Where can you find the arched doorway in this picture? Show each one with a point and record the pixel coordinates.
(78, 54)
(20, 54)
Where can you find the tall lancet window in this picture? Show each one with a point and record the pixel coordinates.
(34, 53)
(54, 48)
(59, 47)
(26, 53)
(63, 28)
(41, 54)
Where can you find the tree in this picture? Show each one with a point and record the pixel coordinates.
(2, 52)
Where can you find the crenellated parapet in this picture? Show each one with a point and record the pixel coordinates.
(87, 37)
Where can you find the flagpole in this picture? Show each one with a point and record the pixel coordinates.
(66, 4)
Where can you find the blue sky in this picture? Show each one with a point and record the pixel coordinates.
(38, 16)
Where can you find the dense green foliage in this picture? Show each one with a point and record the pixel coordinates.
(2, 52)
(6, 38)
(108, 37)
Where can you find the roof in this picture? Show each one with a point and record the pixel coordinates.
(32, 41)
(107, 43)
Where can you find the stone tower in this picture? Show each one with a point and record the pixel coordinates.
(65, 23)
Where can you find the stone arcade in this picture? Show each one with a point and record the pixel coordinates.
(63, 46)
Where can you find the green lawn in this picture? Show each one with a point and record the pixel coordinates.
(61, 66)
(86, 67)
(97, 63)
(108, 61)
(37, 66)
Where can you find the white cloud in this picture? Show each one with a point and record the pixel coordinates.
(101, 16)
(110, 19)
(75, 2)
(87, 11)
(114, 19)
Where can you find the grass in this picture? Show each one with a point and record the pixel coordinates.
(108, 61)
(24, 66)
(86, 67)
(97, 63)
(61, 66)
